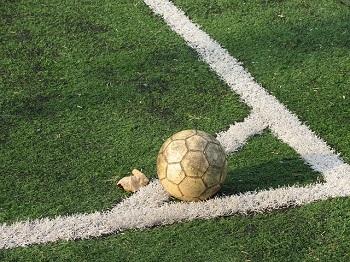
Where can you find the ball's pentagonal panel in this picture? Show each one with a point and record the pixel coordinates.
(191, 165)
(212, 176)
(196, 142)
(207, 136)
(161, 166)
(171, 188)
(175, 173)
(175, 151)
(192, 187)
(209, 192)
(183, 134)
(194, 164)
(215, 155)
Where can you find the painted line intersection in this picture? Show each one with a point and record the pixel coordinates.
(150, 206)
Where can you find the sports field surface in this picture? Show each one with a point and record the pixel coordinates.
(90, 90)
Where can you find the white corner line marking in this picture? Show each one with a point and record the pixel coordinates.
(285, 125)
(149, 206)
(237, 134)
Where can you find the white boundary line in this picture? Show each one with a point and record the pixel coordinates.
(135, 213)
(148, 207)
(237, 134)
(283, 123)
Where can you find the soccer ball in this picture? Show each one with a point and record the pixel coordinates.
(191, 165)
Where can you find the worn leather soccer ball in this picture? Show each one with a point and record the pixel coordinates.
(192, 165)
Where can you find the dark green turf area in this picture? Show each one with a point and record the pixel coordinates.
(89, 90)
(265, 163)
(299, 50)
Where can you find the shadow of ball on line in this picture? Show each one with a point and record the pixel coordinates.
(192, 165)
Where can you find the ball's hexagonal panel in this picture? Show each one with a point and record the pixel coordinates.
(183, 134)
(223, 173)
(209, 192)
(171, 188)
(194, 164)
(161, 166)
(175, 173)
(175, 151)
(212, 176)
(196, 142)
(192, 187)
(165, 144)
(215, 155)
(191, 165)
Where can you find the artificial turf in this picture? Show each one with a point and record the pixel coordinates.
(89, 90)
(87, 96)
(265, 163)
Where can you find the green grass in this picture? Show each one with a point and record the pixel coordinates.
(90, 90)
(266, 163)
